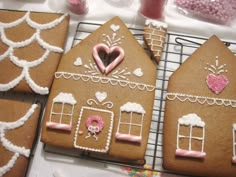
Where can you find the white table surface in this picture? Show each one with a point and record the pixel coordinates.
(46, 164)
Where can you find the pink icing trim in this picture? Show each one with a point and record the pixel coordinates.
(112, 65)
(217, 83)
(187, 153)
(118, 59)
(96, 119)
(128, 137)
(234, 159)
(54, 125)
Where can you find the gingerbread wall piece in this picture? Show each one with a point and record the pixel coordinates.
(17, 121)
(104, 72)
(155, 37)
(200, 134)
(30, 49)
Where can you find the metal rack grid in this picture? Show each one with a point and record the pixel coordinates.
(177, 49)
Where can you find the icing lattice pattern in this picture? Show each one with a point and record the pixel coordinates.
(201, 99)
(104, 80)
(21, 62)
(8, 145)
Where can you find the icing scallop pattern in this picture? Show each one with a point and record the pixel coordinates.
(21, 62)
(8, 145)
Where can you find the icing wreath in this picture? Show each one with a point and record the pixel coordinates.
(94, 129)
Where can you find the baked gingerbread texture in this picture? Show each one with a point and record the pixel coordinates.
(31, 45)
(102, 96)
(18, 127)
(200, 114)
(155, 36)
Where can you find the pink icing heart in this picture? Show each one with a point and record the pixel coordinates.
(217, 83)
(114, 63)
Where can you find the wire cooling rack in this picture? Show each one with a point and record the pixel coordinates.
(177, 49)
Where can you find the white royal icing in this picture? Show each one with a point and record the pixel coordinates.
(108, 140)
(234, 126)
(101, 96)
(62, 99)
(132, 107)
(138, 72)
(114, 27)
(22, 63)
(216, 69)
(105, 80)
(113, 40)
(8, 145)
(156, 23)
(121, 74)
(127, 135)
(65, 98)
(192, 120)
(78, 62)
(92, 68)
(201, 99)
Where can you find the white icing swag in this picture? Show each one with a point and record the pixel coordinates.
(8, 145)
(22, 63)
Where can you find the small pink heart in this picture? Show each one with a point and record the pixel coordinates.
(217, 83)
(105, 48)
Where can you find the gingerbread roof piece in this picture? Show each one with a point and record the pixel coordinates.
(155, 37)
(113, 82)
(31, 45)
(18, 129)
(200, 134)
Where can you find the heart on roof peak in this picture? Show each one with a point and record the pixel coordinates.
(107, 64)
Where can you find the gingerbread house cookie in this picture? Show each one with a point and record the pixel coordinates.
(155, 37)
(18, 125)
(200, 114)
(31, 45)
(102, 96)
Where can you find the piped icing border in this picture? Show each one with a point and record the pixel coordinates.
(102, 150)
(201, 99)
(8, 145)
(156, 23)
(104, 80)
(21, 62)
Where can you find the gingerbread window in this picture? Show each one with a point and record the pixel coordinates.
(62, 112)
(130, 122)
(190, 136)
(234, 144)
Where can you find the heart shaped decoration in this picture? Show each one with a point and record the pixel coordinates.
(107, 50)
(101, 96)
(138, 72)
(217, 83)
(78, 62)
(114, 27)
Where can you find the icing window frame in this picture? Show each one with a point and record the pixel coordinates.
(234, 143)
(63, 99)
(130, 108)
(193, 121)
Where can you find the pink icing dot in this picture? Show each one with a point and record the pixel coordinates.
(97, 119)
